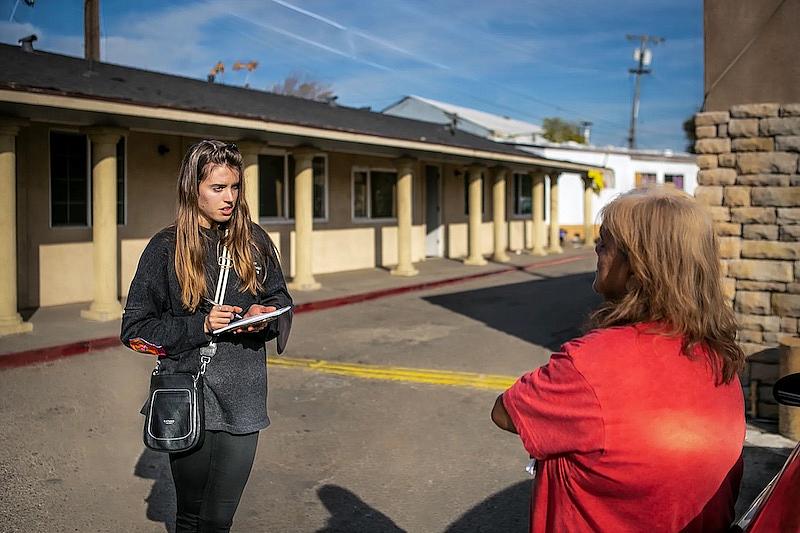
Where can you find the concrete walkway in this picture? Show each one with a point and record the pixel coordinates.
(60, 331)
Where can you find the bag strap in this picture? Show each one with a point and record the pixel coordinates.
(225, 264)
(207, 352)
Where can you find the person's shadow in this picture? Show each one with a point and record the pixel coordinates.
(506, 511)
(161, 500)
(350, 514)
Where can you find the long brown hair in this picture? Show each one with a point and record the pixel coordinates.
(190, 248)
(669, 242)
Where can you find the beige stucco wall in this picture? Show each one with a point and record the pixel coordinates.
(66, 273)
(520, 234)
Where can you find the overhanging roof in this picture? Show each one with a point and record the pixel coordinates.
(40, 79)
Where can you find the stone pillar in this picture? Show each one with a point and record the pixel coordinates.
(537, 212)
(588, 222)
(249, 150)
(303, 221)
(499, 215)
(555, 241)
(10, 320)
(475, 258)
(405, 177)
(748, 159)
(789, 417)
(105, 306)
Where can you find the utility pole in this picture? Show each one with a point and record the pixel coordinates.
(643, 56)
(91, 30)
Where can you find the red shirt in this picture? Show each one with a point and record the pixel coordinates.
(631, 435)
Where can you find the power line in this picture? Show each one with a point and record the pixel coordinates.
(367, 35)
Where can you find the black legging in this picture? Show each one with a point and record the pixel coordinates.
(209, 481)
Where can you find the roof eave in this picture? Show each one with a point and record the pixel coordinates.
(81, 102)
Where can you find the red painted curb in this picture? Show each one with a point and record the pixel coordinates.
(51, 353)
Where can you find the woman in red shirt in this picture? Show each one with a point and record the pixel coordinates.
(639, 424)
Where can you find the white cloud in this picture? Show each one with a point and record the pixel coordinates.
(11, 32)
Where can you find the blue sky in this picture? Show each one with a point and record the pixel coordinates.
(525, 59)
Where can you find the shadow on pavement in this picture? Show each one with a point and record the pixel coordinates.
(506, 511)
(760, 466)
(545, 312)
(161, 500)
(349, 514)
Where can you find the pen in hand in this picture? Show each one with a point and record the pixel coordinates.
(237, 316)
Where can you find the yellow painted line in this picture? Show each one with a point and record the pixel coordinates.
(397, 373)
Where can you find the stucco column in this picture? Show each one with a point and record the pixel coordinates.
(10, 320)
(499, 215)
(588, 223)
(555, 241)
(303, 221)
(475, 258)
(537, 212)
(105, 306)
(249, 151)
(405, 177)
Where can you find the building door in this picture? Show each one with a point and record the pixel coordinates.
(434, 240)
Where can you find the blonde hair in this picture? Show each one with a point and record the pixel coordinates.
(190, 249)
(670, 245)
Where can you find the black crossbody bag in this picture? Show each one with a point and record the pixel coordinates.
(174, 420)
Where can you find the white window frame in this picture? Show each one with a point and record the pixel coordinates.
(286, 177)
(368, 219)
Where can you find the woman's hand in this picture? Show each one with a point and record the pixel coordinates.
(256, 309)
(220, 316)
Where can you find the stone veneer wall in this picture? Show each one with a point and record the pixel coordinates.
(750, 179)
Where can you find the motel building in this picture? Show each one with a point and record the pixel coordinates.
(90, 151)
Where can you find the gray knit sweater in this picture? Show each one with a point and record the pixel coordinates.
(155, 321)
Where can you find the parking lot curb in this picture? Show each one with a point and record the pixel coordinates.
(52, 353)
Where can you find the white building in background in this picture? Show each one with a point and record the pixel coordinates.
(630, 168)
(494, 127)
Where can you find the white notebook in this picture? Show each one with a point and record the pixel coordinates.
(255, 319)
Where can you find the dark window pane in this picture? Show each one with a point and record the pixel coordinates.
(76, 190)
(59, 213)
(69, 170)
(271, 182)
(319, 187)
(59, 189)
(360, 194)
(291, 186)
(121, 181)
(522, 194)
(77, 214)
(382, 191)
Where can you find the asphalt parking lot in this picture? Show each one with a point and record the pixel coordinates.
(345, 452)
